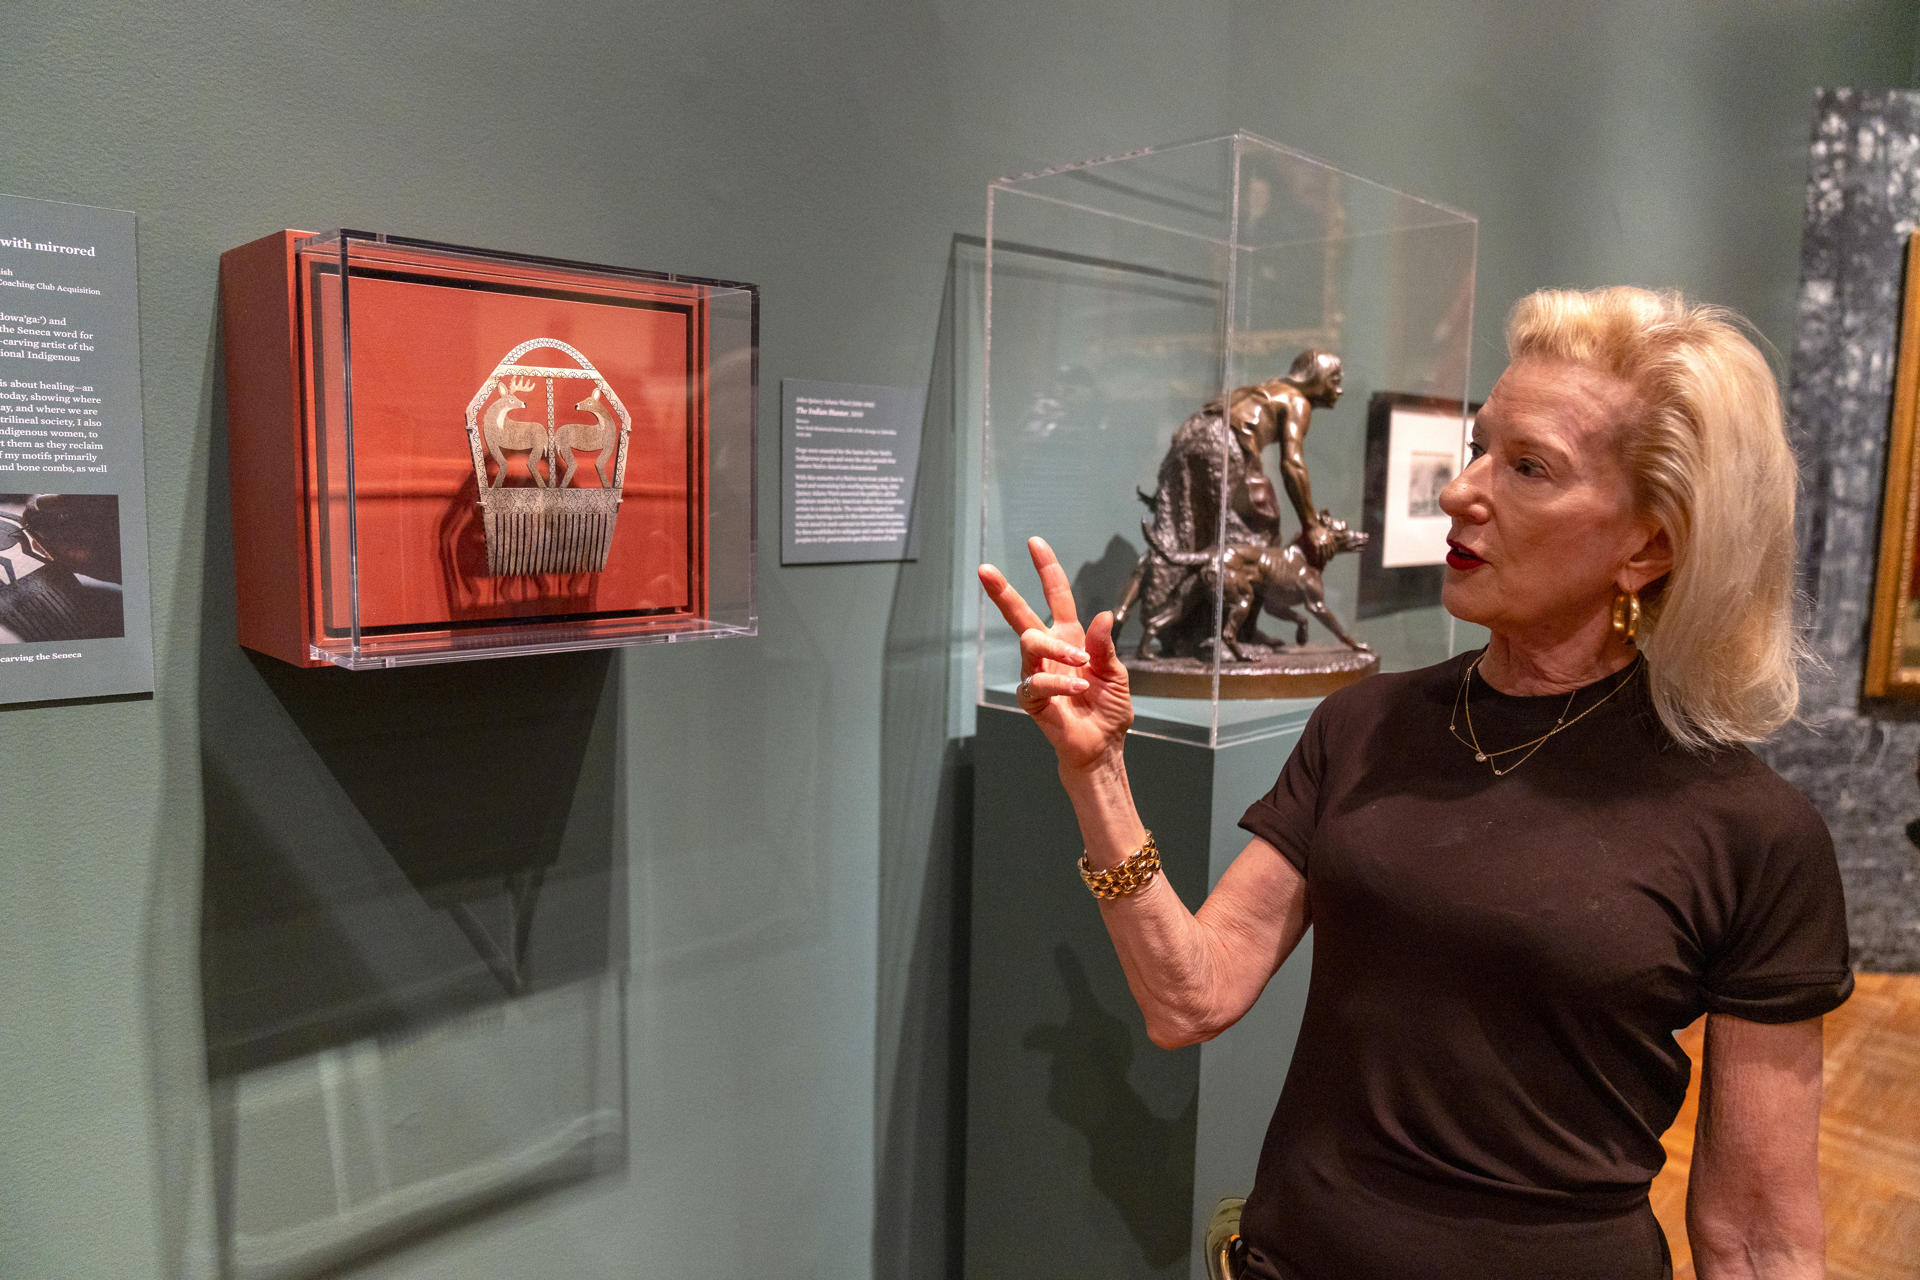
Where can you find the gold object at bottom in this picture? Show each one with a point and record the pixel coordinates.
(1134, 872)
(1223, 1232)
(1626, 615)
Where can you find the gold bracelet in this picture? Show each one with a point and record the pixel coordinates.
(1134, 873)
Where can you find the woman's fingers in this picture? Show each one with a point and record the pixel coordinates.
(1034, 691)
(1019, 615)
(1101, 656)
(1037, 645)
(1053, 582)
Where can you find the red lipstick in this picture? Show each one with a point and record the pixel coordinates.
(1458, 557)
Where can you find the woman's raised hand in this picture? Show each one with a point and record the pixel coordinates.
(1071, 681)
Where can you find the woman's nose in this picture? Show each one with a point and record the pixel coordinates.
(1462, 499)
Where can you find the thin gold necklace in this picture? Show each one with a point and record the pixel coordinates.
(1462, 699)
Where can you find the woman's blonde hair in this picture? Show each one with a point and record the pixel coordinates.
(1706, 445)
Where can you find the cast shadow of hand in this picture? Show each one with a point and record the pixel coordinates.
(1140, 1162)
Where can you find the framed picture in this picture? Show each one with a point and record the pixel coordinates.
(1415, 447)
(493, 453)
(1893, 633)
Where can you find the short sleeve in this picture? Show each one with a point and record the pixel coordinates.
(1784, 957)
(1285, 817)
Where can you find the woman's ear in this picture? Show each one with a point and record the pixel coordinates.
(1653, 561)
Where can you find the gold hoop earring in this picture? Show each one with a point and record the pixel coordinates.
(1626, 615)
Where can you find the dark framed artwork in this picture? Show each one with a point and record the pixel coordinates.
(1415, 446)
(1893, 631)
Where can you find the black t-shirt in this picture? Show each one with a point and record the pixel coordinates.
(1487, 1059)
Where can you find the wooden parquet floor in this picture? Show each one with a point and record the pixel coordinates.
(1869, 1137)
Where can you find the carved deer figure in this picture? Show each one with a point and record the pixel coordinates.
(506, 435)
(596, 437)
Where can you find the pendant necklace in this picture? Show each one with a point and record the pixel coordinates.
(1463, 701)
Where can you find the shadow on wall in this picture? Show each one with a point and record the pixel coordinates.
(1134, 1155)
(412, 939)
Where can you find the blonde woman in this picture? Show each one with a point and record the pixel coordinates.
(1528, 866)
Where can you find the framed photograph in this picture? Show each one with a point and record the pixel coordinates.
(60, 568)
(1893, 632)
(1416, 445)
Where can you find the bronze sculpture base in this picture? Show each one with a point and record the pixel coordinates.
(1296, 671)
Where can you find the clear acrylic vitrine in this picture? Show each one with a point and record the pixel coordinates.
(1123, 296)
(442, 453)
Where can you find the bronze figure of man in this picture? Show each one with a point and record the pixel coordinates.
(1280, 410)
(1216, 454)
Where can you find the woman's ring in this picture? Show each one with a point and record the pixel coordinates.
(1025, 687)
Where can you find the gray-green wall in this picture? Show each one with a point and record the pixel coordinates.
(790, 925)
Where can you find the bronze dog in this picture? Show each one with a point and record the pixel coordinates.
(1278, 576)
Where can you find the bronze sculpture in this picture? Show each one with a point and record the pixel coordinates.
(1214, 534)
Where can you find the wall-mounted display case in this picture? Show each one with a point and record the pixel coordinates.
(441, 453)
(1154, 321)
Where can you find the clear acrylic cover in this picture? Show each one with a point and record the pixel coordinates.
(509, 454)
(1123, 296)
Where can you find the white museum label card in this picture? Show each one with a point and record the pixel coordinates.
(852, 458)
(74, 610)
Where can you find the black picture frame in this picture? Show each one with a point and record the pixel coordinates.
(1386, 590)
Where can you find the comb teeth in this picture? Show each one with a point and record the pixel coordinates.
(533, 531)
(527, 542)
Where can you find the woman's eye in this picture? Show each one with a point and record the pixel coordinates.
(1530, 467)
(1475, 450)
